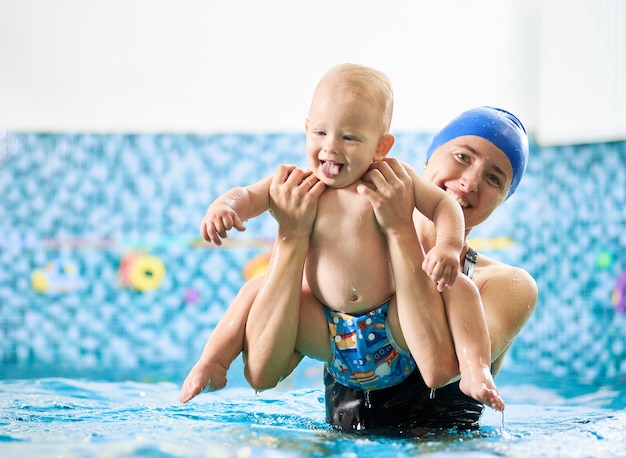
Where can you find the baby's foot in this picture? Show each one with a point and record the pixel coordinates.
(483, 389)
(211, 377)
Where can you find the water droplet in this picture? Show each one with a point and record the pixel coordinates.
(368, 403)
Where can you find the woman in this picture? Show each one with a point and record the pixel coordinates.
(479, 158)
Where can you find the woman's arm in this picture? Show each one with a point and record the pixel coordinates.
(272, 326)
(389, 188)
(509, 294)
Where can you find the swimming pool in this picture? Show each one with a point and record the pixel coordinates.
(107, 297)
(78, 418)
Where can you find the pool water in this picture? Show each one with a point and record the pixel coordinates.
(92, 358)
(78, 418)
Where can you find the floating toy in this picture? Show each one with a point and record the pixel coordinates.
(58, 277)
(257, 265)
(141, 272)
(619, 293)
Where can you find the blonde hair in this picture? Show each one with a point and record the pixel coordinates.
(370, 84)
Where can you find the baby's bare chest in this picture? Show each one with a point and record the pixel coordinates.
(345, 216)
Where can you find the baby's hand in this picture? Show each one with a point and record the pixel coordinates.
(441, 264)
(219, 219)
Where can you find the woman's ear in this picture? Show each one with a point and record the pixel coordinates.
(384, 146)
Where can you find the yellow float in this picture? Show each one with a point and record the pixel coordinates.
(141, 272)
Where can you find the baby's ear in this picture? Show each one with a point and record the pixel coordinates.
(384, 146)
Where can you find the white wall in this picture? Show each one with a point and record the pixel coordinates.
(249, 66)
(582, 71)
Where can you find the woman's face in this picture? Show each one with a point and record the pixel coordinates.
(475, 172)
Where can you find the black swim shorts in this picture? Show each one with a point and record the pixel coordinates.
(404, 409)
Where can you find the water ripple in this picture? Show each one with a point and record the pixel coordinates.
(77, 418)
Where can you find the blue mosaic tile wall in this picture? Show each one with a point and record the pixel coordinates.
(102, 272)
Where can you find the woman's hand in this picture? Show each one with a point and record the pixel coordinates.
(389, 188)
(293, 199)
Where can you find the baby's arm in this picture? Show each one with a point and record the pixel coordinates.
(234, 207)
(442, 261)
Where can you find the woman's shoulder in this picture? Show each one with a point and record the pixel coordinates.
(498, 274)
(509, 295)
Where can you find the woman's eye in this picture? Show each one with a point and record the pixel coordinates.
(495, 180)
(463, 157)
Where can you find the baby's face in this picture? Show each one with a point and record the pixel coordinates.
(342, 136)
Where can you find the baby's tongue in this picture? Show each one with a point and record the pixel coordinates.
(331, 169)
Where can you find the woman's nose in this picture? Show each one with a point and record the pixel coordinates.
(470, 180)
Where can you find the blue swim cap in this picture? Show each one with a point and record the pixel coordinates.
(499, 127)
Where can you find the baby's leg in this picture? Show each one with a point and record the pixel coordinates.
(468, 327)
(223, 346)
